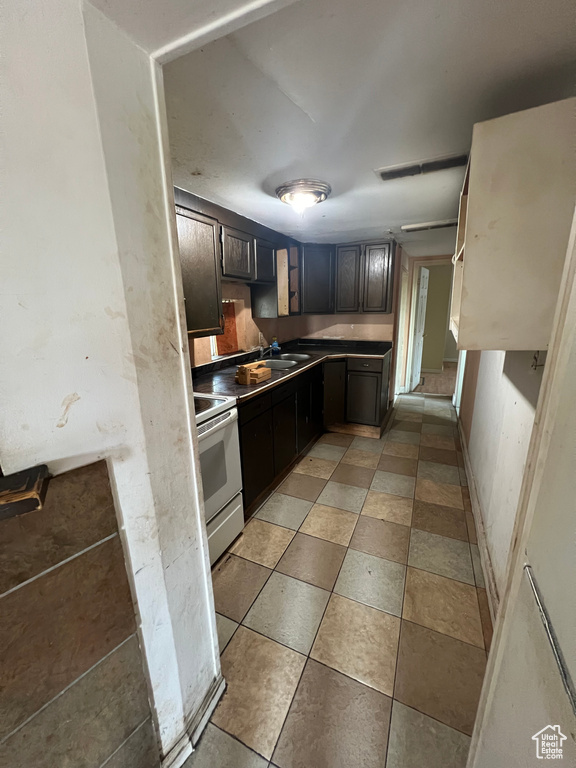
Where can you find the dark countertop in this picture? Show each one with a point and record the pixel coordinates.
(221, 382)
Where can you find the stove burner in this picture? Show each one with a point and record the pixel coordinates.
(202, 404)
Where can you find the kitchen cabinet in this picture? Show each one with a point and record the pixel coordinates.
(271, 300)
(334, 392)
(367, 390)
(363, 397)
(285, 438)
(318, 262)
(364, 277)
(348, 278)
(200, 262)
(264, 262)
(309, 407)
(278, 425)
(237, 254)
(257, 454)
(378, 277)
(516, 211)
(280, 298)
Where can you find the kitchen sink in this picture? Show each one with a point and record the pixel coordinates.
(298, 356)
(280, 363)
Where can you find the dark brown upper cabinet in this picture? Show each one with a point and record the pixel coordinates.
(364, 278)
(348, 278)
(237, 254)
(378, 278)
(264, 262)
(317, 266)
(200, 261)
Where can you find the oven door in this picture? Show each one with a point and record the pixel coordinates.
(219, 461)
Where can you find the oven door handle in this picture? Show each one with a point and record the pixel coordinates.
(230, 417)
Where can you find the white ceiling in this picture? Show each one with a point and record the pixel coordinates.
(169, 28)
(333, 89)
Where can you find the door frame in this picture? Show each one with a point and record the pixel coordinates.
(401, 335)
(562, 340)
(419, 325)
(413, 271)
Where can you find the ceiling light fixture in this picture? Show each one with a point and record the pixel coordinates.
(303, 193)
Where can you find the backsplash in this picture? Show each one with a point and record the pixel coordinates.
(363, 327)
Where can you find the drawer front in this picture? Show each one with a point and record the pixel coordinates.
(253, 408)
(373, 365)
(285, 390)
(225, 527)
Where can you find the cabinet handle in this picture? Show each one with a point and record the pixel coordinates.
(222, 322)
(366, 365)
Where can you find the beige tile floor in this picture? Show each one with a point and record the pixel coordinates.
(352, 615)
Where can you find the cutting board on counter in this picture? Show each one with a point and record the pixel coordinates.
(253, 373)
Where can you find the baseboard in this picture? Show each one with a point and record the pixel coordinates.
(432, 370)
(491, 588)
(179, 753)
(184, 747)
(450, 360)
(197, 724)
(359, 430)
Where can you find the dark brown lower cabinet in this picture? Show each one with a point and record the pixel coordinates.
(363, 398)
(334, 392)
(285, 439)
(278, 425)
(309, 407)
(367, 388)
(257, 455)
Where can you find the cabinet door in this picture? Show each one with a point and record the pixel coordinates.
(265, 262)
(348, 274)
(316, 402)
(363, 398)
(257, 454)
(284, 425)
(303, 413)
(200, 262)
(378, 278)
(237, 254)
(334, 392)
(318, 279)
(385, 394)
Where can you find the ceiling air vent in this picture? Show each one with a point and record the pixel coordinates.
(424, 166)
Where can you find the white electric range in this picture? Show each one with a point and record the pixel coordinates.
(217, 423)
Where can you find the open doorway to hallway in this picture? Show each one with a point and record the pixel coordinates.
(434, 356)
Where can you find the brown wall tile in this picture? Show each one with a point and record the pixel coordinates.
(140, 751)
(78, 512)
(89, 721)
(58, 626)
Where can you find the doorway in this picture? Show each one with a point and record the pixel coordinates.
(433, 359)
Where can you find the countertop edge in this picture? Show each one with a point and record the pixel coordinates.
(301, 368)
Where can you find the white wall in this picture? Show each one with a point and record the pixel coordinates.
(94, 359)
(450, 347)
(506, 394)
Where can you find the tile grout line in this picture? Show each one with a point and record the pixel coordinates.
(57, 565)
(138, 727)
(67, 688)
